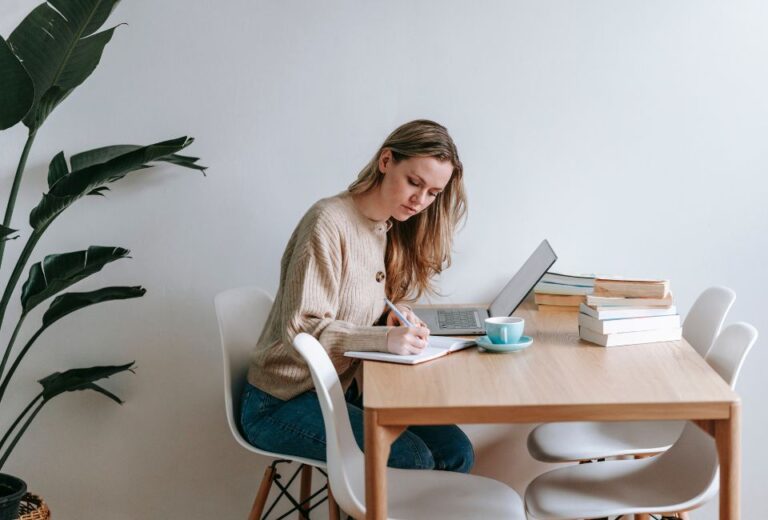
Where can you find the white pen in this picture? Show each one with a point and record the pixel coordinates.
(399, 314)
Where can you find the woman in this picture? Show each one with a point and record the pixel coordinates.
(387, 235)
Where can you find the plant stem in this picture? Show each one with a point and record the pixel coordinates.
(18, 420)
(21, 432)
(9, 348)
(15, 188)
(17, 270)
(17, 361)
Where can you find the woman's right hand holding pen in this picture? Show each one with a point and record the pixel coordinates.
(407, 340)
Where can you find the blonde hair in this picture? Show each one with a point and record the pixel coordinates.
(419, 248)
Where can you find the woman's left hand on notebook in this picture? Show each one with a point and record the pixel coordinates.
(394, 321)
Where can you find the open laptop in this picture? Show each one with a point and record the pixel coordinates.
(471, 320)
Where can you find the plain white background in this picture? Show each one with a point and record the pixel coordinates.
(632, 135)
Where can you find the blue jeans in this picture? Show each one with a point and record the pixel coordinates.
(295, 427)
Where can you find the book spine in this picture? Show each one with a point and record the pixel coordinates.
(561, 308)
(559, 299)
(555, 288)
(612, 313)
(568, 280)
(629, 289)
(630, 338)
(629, 324)
(609, 301)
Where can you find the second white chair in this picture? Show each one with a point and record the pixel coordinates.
(412, 494)
(586, 440)
(680, 479)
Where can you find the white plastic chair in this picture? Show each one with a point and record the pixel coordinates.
(242, 313)
(412, 494)
(585, 440)
(680, 479)
(706, 317)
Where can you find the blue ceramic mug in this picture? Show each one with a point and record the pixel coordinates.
(504, 331)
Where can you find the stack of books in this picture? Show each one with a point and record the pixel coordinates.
(557, 291)
(629, 312)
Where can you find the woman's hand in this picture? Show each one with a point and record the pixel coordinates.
(394, 321)
(407, 340)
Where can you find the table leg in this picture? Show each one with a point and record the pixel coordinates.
(378, 440)
(728, 439)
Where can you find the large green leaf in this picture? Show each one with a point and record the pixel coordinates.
(17, 92)
(6, 232)
(117, 162)
(57, 272)
(58, 47)
(70, 302)
(83, 160)
(81, 379)
(57, 169)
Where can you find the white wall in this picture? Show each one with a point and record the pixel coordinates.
(631, 134)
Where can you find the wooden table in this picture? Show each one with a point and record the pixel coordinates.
(559, 378)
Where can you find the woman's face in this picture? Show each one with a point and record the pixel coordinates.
(411, 185)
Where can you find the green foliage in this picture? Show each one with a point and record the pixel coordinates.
(57, 272)
(56, 384)
(16, 86)
(58, 47)
(70, 302)
(81, 379)
(52, 51)
(6, 232)
(65, 187)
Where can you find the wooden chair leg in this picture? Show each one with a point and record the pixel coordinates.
(642, 516)
(262, 494)
(306, 488)
(333, 507)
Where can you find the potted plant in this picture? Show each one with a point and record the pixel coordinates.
(52, 51)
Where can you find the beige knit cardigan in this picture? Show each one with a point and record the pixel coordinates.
(332, 280)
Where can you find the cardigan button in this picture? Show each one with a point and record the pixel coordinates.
(380, 277)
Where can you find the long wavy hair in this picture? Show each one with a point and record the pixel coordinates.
(419, 248)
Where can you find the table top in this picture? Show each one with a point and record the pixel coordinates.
(559, 377)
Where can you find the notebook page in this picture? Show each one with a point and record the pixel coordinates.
(438, 346)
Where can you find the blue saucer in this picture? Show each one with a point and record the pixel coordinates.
(487, 344)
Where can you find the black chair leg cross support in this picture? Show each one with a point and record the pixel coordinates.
(303, 507)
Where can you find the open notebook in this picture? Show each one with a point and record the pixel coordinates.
(438, 346)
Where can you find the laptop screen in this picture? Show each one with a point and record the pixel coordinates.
(524, 280)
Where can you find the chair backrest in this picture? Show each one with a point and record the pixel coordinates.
(730, 349)
(344, 458)
(242, 313)
(706, 317)
(693, 458)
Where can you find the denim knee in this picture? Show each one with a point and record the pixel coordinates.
(449, 445)
(410, 452)
(461, 459)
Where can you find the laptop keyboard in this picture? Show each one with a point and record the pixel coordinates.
(457, 319)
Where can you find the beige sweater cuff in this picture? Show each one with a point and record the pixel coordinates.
(356, 338)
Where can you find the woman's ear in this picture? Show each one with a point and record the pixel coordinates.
(385, 160)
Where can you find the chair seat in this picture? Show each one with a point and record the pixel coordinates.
(681, 479)
(293, 458)
(424, 494)
(574, 441)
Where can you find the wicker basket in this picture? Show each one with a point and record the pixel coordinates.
(33, 508)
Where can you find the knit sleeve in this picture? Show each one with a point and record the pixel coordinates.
(311, 299)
